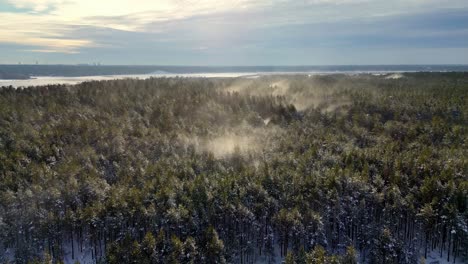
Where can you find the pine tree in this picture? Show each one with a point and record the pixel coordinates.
(148, 246)
(350, 256)
(176, 250)
(301, 257)
(317, 256)
(190, 251)
(289, 258)
(214, 247)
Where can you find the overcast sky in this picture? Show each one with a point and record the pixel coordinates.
(234, 32)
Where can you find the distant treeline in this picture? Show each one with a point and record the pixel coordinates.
(22, 71)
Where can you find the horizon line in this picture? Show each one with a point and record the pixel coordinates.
(188, 65)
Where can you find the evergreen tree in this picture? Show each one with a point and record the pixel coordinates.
(214, 247)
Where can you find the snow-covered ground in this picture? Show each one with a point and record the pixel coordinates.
(434, 258)
(6, 254)
(86, 256)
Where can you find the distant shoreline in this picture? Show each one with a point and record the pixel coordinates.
(27, 71)
(35, 81)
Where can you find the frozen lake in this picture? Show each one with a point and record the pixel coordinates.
(66, 74)
(48, 80)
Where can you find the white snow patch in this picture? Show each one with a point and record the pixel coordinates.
(433, 257)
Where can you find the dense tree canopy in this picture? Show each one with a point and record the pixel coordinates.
(305, 169)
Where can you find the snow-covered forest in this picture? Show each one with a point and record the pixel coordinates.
(296, 169)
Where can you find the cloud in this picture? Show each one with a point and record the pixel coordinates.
(71, 26)
(55, 17)
(40, 31)
(51, 51)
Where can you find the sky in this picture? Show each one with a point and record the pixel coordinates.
(234, 32)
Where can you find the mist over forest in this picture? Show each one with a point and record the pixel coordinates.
(296, 168)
